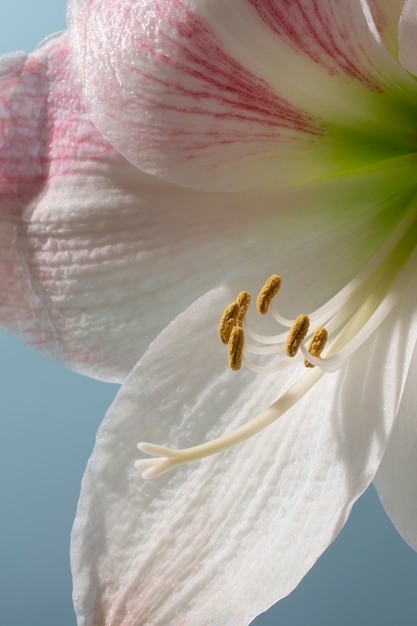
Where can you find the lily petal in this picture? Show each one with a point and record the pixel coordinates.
(192, 92)
(396, 476)
(69, 206)
(407, 39)
(225, 538)
(386, 15)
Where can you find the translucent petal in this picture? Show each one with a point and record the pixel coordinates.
(386, 15)
(69, 203)
(233, 95)
(396, 476)
(228, 536)
(407, 36)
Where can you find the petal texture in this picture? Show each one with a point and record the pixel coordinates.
(396, 476)
(227, 96)
(60, 215)
(23, 85)
(225, 538)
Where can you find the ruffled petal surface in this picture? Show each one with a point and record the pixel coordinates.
(396, 476)
(222, 539)
(224, 96)
(60, 214)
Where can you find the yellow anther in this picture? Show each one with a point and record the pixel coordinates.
(235, 352)
(228, 321)
(233, 316)
(317, 343)
(268, 293)
(296, 335)
(243, 300)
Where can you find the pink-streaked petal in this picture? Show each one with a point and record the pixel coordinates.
(228, 536)
(334, 35)
(54, 164)
(185, 95)
(407, 36)
(231, 95)
(23, 91)
(396, 476)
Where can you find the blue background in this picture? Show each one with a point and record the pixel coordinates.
(48, 420)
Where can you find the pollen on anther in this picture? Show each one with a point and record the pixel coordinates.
(297, 333)
(243, 301)
(228, 321)
(268, 293)
(235, 345)
(317, 343)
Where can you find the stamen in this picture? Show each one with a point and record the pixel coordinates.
(316, 345)
(278, 317)
(235, 351)
(267, 339)
(268, 293)
(350, 317)
(297, 334)
(228, 321)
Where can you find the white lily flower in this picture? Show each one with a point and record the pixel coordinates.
(276, 136)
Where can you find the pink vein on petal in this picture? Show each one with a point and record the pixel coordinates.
(325, 31)
(223, 80)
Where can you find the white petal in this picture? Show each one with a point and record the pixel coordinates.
(407, 36)
(224, 538)
(396, 476)
(386, 15)
(233, 95)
